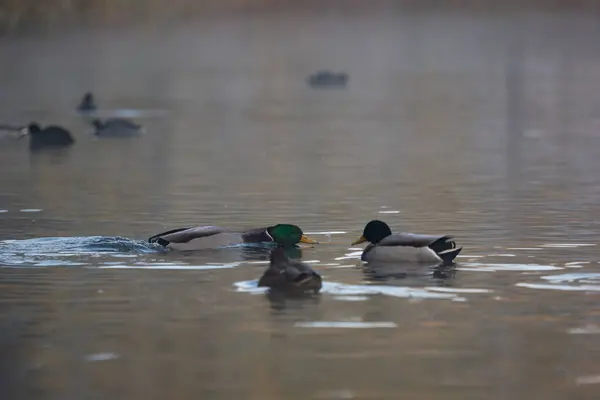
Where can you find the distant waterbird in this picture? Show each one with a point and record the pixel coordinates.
(50, 136)
(87, 104)
(326, 79)
(116, 127)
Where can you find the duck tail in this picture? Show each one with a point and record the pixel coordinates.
(446, 249)
(448, 256)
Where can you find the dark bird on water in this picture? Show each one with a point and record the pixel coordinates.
(285, 274)
(50, 136)
(328, 79)
(87, 103)
(116, 127)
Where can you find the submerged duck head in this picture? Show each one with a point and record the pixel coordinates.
(288, 235)
(374, 232)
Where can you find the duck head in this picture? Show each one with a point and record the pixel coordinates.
(374, 232)
(288, 235)
(32, 129)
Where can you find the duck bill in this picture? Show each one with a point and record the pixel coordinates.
(359, 241)
(307, 240)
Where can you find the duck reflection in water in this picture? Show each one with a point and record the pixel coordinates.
(438, 274)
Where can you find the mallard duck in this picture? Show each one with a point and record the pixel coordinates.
(87, 104)
(388, 247)
(50, 136)
(116, 127)
(286, 274)
(209, 237)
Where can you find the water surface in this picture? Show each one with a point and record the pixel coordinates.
(483, 127)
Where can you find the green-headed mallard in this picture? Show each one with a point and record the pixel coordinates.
(210, 237)
(50, 136)
(289, 275)
(388, 247)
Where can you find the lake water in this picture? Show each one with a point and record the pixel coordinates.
(483, 127)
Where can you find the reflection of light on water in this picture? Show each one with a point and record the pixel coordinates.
(389, 212)
(350, 298)
(128, 113)
(359, 292)
(505, 267)
(573, 277)
(457, 290)
(568, 288)
(587, 282)
(349, 256)
(588, 380)
(326, 233)
(31, 210)
(171, 266)
(585, 330)
(101, 357)
(566, 245)
(345, 324)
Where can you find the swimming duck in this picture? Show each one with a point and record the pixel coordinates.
(328, 79)
(388, 247)
(209, 237)
(286, 274)
(50, 136)
(116, 127)
(87, 104)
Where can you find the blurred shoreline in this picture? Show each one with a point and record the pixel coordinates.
(33, 16)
